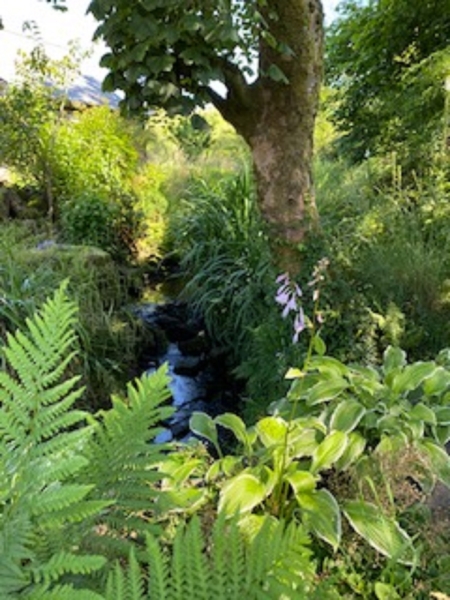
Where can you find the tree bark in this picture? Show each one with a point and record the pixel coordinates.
(277, 118)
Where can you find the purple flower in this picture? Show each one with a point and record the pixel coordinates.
(299, 324)
(290, 305)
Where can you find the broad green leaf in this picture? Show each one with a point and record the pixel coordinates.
(322, 515)
(412, 376)
(442, 434)
(365, 380)
(390, 423)
(324, 391)
(423, 413)
(416, 427)
(347, 416)
(271, 431)
(235, 424)
(329, 451)
(381, 532)
(241, 494)
(442, 415)
(329, 365)
(393, 359)
(355, 448)
(302, 443)
(385, 591)
(437, 383)
(438, 458)
(201, 424)
(302, 481)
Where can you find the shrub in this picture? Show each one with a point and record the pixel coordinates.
(110, 224)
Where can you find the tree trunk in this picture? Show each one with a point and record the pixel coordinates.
(282, 150)
(276, 118)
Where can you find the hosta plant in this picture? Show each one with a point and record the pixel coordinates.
(337, 422)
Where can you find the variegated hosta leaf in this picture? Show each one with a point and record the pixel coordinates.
(322, 515)
(380, 531)
(347, 415)
(241, 494)
(329, 451)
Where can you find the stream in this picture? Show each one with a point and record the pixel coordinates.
(200, 380)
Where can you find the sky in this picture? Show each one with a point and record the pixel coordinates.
(57, 29)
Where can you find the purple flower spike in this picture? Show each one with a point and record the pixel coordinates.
(299, 324)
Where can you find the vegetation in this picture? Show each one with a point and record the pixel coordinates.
(329, 476)
(249, 49)
(389, 62)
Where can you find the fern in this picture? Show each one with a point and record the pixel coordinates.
(40, 441)
(198, 566)
(122, 463)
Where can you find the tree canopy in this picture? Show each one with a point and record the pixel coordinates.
(389, 60)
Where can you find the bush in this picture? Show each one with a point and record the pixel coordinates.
(110, 224)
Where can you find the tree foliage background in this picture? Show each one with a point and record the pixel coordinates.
(389, 60)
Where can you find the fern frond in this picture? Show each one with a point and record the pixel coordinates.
(41, 444)
(123, 457)
(158, 571)
(199, 567)
(197, 573)
(66, 562)
(62, 592)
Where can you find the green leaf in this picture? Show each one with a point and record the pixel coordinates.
(325, 391)
(347, 415)
(236, 425)
(329, 451)
(437, 383)
(438, 458)
(381, 532)
(203, 425)
(319, 345)
(329, 365)
(393, 359)
(271, 431)
(241, 494)
(302, 481)
(384, 591)
(302, 442)
(442, 415)
(355, 448)
(442, 434)
(423, 413)
(412, 376)
(322, 515)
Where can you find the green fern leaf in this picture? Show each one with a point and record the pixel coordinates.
(197, 574)
(66, 562)
(123, 457)
(62, 592)
(283, 570)
(158, 571)
(41, 444)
